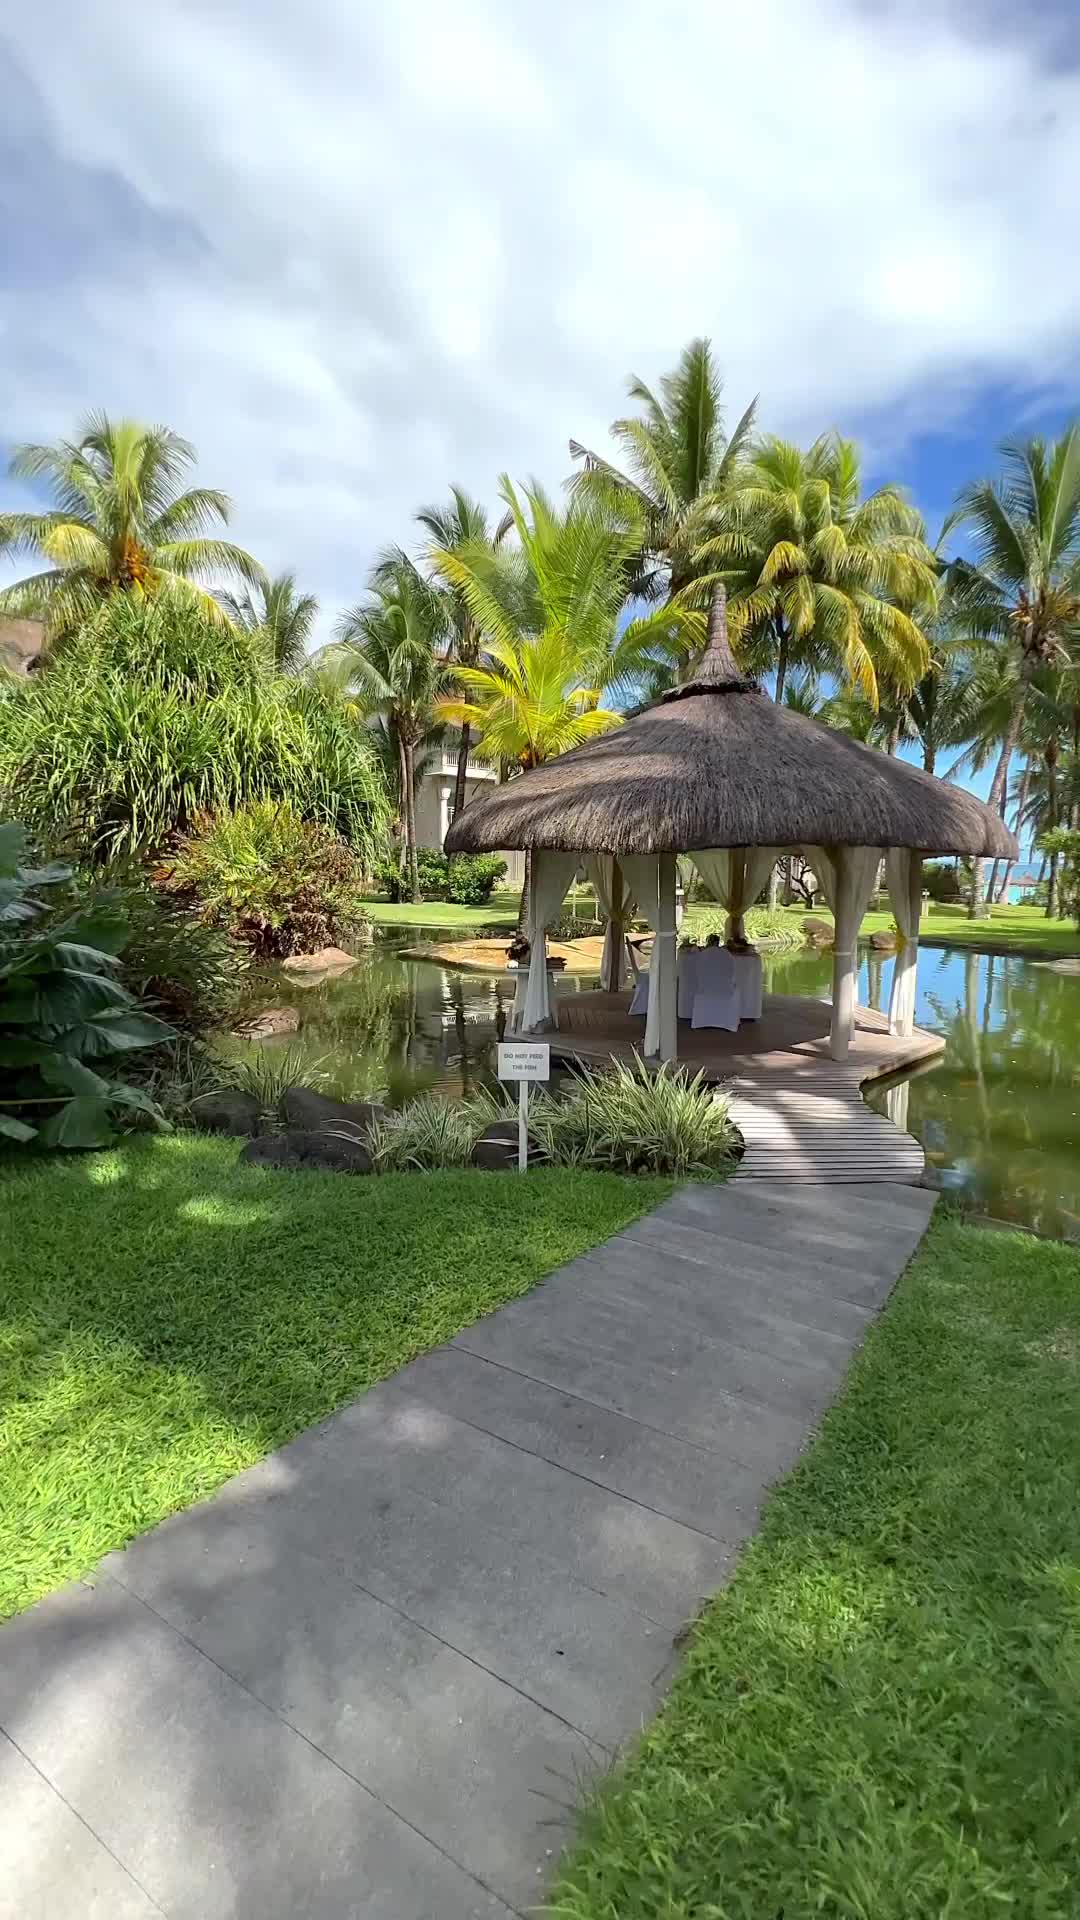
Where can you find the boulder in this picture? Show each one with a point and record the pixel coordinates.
(298, 1150)
(497, 1148)
(326, 960)
(883, 942)
(303, 1107)
(226, 1111)
(263, 1026)
(818, 931)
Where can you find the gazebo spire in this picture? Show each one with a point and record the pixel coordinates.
(716, 671)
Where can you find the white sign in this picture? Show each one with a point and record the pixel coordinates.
(524, 1060)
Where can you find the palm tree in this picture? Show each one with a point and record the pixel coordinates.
(820, 575)
(461, 523)
(283, 615)
(676, 456)
(1021, 593)
(389, 655)
(547, 607)
(118, 521)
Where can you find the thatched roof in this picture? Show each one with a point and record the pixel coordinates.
(716, 763)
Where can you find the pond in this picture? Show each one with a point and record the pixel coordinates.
(999, 1118)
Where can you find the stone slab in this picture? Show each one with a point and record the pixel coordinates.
(52, 1867)
(216, 1807)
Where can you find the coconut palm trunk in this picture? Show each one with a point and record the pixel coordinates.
(979, 908)
(462, 775)
(409, 754)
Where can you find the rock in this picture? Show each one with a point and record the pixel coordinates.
(327, 960)
(226, 1111)
(303, 1107)
(263, 1026)
(298, 1150)
(883, 942)
(497, 1148)
(818, 930)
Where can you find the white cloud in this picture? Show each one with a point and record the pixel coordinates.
(377, 250)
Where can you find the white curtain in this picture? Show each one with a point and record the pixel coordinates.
(903, 868)
(617, 906)
(823, 863)
(852, 876)
(551, 874)
(735, 877)
(642, 872)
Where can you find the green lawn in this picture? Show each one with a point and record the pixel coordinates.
(880, 1719)
(167, 1317)
(1009, 929)
(501, 911)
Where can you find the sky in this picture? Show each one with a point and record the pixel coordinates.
(355, 253)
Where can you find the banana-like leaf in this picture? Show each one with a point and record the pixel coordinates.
(113, 1030)
(81, 1124)
(61, 1070)
(12, 1129)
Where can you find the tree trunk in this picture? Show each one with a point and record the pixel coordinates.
(1002, 893)
(781, 662)
(893, 744)
(929, 757)
(523, 910)
(462, 769)
(1051, 757)
(980, 906)
(409, 752)
(781, 680)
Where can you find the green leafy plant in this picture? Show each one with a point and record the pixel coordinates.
(472, 878)
(1065, 843)
(431, 1132)
(761, 923)
(638, 1119)
(469, 878)
(192, 972)
(151, 716)
(271, 879)
(61, 1007)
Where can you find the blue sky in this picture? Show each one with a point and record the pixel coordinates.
(357, 253)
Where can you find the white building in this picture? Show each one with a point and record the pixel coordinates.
(435, 805)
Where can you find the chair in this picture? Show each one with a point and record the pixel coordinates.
(688, 959)
(716, 1001)
(750, 977)
(639, 1005)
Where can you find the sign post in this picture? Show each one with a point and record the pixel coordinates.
(524, 1061)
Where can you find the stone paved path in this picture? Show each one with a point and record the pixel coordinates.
(371, 1677)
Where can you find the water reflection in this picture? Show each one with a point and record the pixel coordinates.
(999, 1118)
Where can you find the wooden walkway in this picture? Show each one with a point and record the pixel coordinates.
(801, 1114)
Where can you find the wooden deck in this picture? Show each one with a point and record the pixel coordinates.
(801, 1113)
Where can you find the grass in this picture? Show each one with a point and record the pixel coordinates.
(167, 1317)
(880, 1719)
(1009, 929)
(500, 911)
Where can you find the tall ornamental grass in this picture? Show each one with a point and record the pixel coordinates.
(152, 716)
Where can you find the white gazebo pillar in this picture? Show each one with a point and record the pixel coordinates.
(845, 959)
(904, 869)
(666, 981)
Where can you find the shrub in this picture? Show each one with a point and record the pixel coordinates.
(638, 1120)
(152, 716)
(431, 1132)
(469, 878)
(62, 1006)
(473, 876)
(278, 882)
(761, 923)
(191, 971)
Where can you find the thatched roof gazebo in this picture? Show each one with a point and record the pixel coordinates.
(718, 771)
